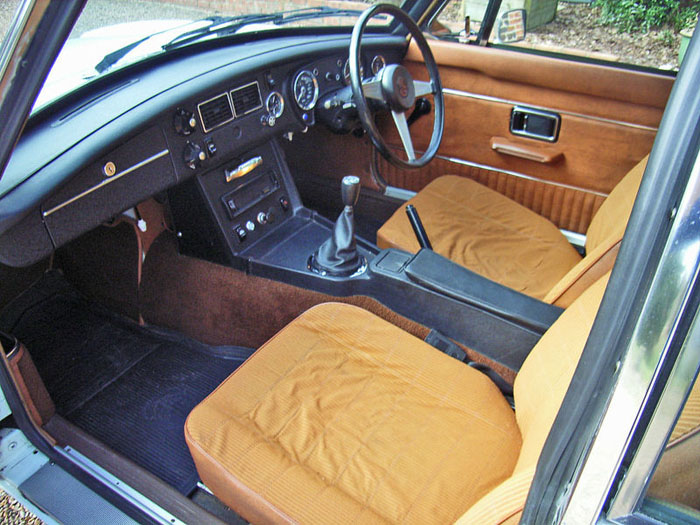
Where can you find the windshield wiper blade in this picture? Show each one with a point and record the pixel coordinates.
(115, 56)
(227, 26)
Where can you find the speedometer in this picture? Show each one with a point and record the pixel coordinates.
(305, 90)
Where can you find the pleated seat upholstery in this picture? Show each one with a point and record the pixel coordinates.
(344, 418)
(501, 240)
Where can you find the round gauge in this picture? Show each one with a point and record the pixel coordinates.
(305, 90)
(275, 104)
(378, 64)
(346, 71)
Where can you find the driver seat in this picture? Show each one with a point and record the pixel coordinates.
(496, 237)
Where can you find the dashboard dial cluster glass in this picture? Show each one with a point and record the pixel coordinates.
(378, 64)
(305, 90)
(275, 104)
(346, 72)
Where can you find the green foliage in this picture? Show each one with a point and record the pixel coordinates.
(642, 15)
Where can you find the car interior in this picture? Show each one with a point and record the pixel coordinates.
(322, 277)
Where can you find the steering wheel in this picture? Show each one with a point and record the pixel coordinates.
(394, 87)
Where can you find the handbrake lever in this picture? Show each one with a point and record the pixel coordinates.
(418, 228)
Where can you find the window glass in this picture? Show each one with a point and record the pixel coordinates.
(675, 485)
(8, 8)
(625, 32)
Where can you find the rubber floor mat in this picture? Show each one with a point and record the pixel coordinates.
(130, 386)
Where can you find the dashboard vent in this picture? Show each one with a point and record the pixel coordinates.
(215, 112)
(246, 99)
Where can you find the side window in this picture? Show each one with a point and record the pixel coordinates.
(653, 35)
(674, 486)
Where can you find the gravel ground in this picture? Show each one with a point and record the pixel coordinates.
(13, 513)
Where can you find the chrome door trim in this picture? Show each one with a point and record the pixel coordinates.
(498, 100)
(645, 355)
(456, 160)
(19, 34)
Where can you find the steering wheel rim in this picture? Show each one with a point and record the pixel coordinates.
(396, 88)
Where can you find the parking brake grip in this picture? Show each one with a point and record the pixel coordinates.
(418, 228)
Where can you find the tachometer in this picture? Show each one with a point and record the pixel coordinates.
(305, 90)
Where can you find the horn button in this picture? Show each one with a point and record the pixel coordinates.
(397, 87)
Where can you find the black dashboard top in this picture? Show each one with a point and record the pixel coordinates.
(182, 116)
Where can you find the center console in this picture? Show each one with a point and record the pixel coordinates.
(247, 213)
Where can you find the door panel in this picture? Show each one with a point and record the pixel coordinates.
(609, 118)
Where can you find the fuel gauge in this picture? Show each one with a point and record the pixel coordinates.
(275, 104)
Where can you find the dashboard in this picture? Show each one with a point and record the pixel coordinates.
(150, 129)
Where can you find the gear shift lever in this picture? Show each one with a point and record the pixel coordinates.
(338, 255)
(350, 190)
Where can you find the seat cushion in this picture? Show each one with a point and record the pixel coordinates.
(343, 417)
(486, 232)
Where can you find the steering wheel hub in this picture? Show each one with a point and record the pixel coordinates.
(395, 89)
(398, 88)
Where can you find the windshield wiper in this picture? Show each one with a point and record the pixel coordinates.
(229, 25)
(226, 25)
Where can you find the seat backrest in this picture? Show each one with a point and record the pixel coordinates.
(539, 389)
(603, 239)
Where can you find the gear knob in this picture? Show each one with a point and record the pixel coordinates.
(350, 190)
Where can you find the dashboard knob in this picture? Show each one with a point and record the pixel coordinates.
(262, 217)
(193, 155)
(184, 122)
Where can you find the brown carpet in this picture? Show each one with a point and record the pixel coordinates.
(222, 306)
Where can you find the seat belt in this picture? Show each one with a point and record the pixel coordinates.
(447, 346)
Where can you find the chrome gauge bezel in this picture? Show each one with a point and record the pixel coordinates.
(378, 59)
(312, 104)
(278, 113)
(346, 72)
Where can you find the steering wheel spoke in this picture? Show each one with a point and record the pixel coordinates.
(402, 127)
(373, 89)
(423, 88)
(396, 89)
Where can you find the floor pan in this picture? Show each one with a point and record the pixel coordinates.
(129, 386)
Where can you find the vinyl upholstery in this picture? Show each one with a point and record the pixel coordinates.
(498, 238)
(342, 417)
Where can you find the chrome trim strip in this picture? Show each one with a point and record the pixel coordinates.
(233, 106)
(398, 193)
(148, 507)
(575, 238)
(230, 105)
(14, 35)
(105, 182)
(488, 98)
(638, 371)
(519, 175)
(653, 443)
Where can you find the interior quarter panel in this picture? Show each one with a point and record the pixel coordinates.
(609, 118)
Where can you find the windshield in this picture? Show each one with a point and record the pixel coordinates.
(111, 34)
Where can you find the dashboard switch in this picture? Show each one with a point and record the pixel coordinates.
(240, 232)
(250, 226)
(184, 122)
(284, 203)
(193, 155)
(262, 218)
(211, 147)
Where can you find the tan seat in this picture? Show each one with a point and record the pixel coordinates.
(343, 417)
(498, 238)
